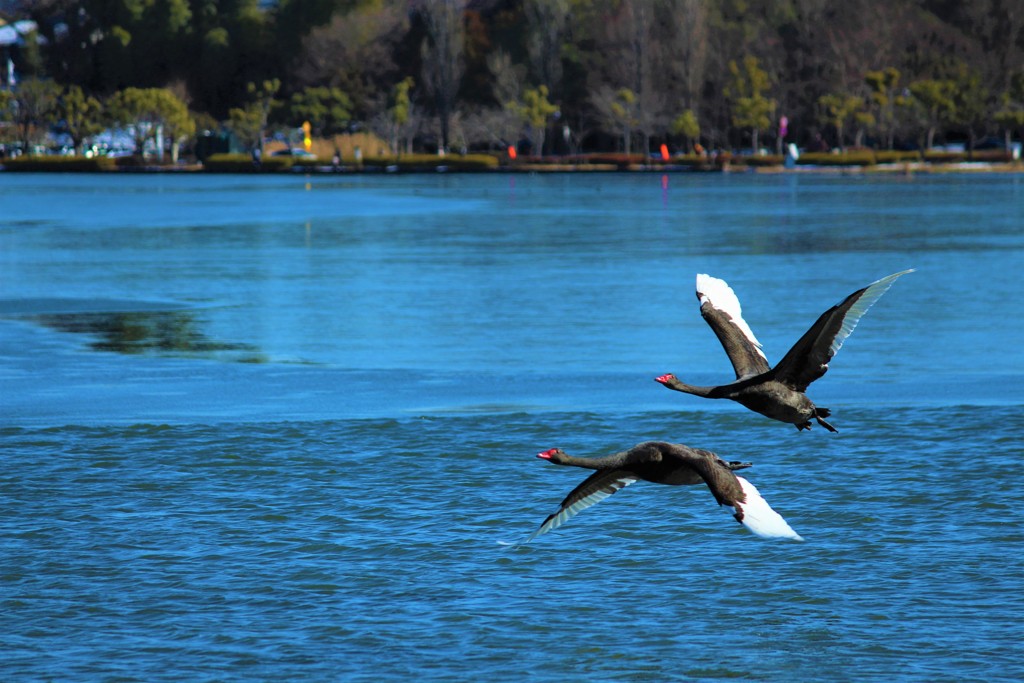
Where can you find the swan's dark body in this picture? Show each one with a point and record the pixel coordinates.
(777, 392)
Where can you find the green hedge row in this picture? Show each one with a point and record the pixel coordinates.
(621, 160)
(418, 162)
(242, 163)
(760, 160)
(871, 157)
(858, 158)
(989, 155)
(60, 164)
(691, 160)
(891, 156)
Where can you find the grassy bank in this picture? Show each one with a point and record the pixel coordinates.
(856, 160)
(60, 164)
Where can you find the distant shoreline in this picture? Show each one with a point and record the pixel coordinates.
(905, 168)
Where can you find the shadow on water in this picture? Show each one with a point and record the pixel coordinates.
(131, 327)
(159, 332)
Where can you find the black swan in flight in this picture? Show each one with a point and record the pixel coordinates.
(777, 392)
(666, 463)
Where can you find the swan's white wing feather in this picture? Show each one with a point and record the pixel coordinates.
(755, 514)
(870, 295)
(720, 295)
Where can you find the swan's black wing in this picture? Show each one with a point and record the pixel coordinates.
(591, 491)
(808, 359)
(748, 507)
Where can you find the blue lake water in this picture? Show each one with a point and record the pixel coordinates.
(284, 427)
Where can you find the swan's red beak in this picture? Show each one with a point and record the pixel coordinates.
(546, 454)
(665, 379)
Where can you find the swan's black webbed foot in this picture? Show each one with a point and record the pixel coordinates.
(826, 425)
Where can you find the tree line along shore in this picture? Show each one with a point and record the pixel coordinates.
(264, 85)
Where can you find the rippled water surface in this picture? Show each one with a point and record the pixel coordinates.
(283, 428)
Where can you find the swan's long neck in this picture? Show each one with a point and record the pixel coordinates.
(602, 463)
(676, 385)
